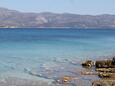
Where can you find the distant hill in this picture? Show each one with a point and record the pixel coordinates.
(12, 18)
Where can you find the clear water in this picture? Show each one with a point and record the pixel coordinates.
(35, 49)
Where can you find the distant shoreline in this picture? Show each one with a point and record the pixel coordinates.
(59, 28)
(16, 19)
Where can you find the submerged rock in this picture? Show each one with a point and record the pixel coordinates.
(64, 79)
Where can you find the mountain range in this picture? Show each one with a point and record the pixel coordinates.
(13, 18)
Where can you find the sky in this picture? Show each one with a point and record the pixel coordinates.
(93, 7)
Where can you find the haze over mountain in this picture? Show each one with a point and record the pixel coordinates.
(12, 18)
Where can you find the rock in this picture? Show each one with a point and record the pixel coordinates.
(105, 69)
(104, 75)
(104, 83)
(103, 64)
(64, 80)
(88, 64)
(113, 60)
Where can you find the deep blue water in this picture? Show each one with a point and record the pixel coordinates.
(36, 48)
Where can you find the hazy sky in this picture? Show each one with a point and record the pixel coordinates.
(61, 6)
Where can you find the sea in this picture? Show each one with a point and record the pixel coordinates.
(51, 52)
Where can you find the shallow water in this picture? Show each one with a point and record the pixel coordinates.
(56, 50)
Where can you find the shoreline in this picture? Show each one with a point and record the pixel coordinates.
(73, 67)
(66, 28)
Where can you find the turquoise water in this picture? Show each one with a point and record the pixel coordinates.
(38, 49)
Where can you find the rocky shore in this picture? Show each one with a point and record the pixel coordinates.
(50, 76)
(66, 73)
